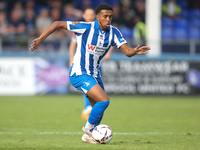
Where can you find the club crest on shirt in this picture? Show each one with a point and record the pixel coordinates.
(101, 37)
(74, 23)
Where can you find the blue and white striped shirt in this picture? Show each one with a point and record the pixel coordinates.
(92, 46)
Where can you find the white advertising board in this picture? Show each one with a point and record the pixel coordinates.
(17, 76)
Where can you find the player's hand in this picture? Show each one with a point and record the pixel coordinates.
(35, 44)
(142, 50)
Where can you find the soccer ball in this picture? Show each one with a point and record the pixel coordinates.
(102, 134)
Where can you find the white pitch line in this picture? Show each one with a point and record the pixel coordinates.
(74, 133)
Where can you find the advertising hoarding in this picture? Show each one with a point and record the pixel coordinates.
(31, 76)
(17, 76)
(151, 77)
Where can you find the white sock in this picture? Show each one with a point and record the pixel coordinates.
(89, 126)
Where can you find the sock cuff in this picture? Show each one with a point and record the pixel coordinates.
(103, 104)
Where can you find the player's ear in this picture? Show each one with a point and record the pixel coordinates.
(83, 16)
(97, 16)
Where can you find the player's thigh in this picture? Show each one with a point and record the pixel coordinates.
(97, 94)
(91, 86)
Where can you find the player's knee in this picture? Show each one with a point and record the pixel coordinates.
(104, 104)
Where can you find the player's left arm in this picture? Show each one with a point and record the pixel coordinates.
(129, 52)
(108, 55)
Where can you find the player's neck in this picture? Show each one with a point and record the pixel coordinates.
(101, 27)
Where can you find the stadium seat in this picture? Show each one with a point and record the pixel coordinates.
(194, 13)
(194, 22)
(182, 3)
(167, 33)
(181, 34)
(167, 22)
(184, 14)
(126, 32)
(194, 34)
(180, 24)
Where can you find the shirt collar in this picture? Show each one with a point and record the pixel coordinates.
(96, 25)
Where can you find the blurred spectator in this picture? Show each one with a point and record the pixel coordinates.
(126, 2)
(127, 13)
(3, 23)
(171, 9)
(30, 4)
(56, 16)
(86, 4)
(140, 9)
(30, 21)
(116, 20)
(139, 29)
(16, 24)
(43, 21)
(19, 7)
(82, 5)
(55, 4)
(71, 14)
(2, 6)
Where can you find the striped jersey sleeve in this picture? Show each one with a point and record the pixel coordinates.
(118, 38)
(77, 27)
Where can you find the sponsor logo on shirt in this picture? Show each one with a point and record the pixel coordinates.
(99, 50)
(91, 47)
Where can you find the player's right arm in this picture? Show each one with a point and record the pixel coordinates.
(121, 43)
(129, 52)
(56, 25)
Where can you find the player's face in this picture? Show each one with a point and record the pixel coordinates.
(104, 18)
(89, 15)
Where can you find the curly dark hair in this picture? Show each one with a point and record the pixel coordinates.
(103, 6)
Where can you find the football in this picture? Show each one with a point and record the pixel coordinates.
(102, 134)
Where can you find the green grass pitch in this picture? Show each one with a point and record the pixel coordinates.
(138, 122)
